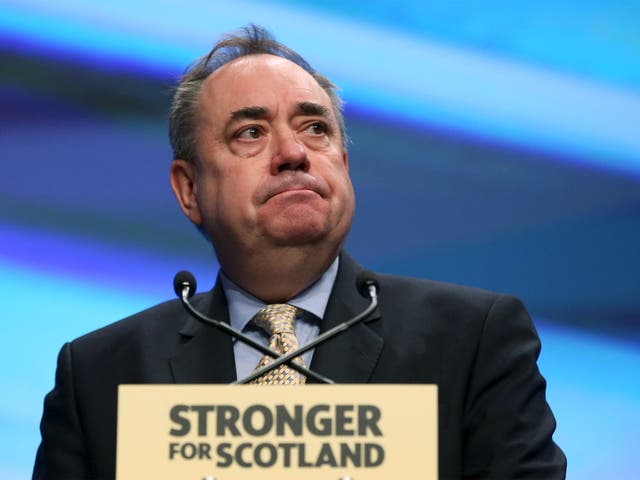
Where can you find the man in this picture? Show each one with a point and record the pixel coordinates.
(261, 168)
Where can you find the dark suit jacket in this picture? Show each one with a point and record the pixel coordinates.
(480, 348)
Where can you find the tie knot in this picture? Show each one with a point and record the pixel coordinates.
(277, 318)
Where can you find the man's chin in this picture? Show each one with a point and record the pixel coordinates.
(298, 237)
(296, 223)
(297, 231)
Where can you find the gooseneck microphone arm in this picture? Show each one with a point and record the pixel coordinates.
(367, 286)
(184, 285)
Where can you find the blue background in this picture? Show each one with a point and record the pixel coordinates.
(495, 144)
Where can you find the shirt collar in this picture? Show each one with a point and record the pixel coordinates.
(243, 306)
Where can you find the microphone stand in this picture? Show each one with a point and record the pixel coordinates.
(373, 294)
(184, 297)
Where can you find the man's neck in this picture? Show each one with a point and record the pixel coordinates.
(278, 276)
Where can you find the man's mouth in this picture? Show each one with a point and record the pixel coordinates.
(295, 183)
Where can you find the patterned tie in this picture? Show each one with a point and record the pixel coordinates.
(278, 321)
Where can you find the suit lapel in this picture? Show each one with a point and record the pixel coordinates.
(206, 353)
(351, 356)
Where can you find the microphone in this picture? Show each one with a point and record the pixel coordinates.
(184, 284)
(367, 285)
(184, 280)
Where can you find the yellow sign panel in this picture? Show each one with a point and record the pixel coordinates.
(247, 432)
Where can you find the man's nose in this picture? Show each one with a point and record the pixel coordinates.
(289, 154)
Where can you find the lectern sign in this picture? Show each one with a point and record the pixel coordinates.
(246, 432)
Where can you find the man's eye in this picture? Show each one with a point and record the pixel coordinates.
(317, 128)
(250, 133)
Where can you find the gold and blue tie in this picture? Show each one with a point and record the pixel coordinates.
(278, 320)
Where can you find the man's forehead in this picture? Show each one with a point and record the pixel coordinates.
(251, 80)
(249, 63)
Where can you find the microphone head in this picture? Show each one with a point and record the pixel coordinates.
(364, 280)
(184, 279)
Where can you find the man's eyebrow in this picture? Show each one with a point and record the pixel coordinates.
(310, 108)
(249, 113)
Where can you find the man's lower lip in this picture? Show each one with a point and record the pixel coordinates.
(300, 191)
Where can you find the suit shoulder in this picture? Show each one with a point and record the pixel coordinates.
(411, 285)
(166, 316)
(456, 314)
(439, 295)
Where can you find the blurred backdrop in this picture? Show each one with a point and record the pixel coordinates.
(494, 144)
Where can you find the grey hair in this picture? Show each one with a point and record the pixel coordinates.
(251, 40)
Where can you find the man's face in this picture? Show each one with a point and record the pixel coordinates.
(271, 168)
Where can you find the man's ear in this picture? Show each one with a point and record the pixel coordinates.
(183, 184)
(345, 159)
